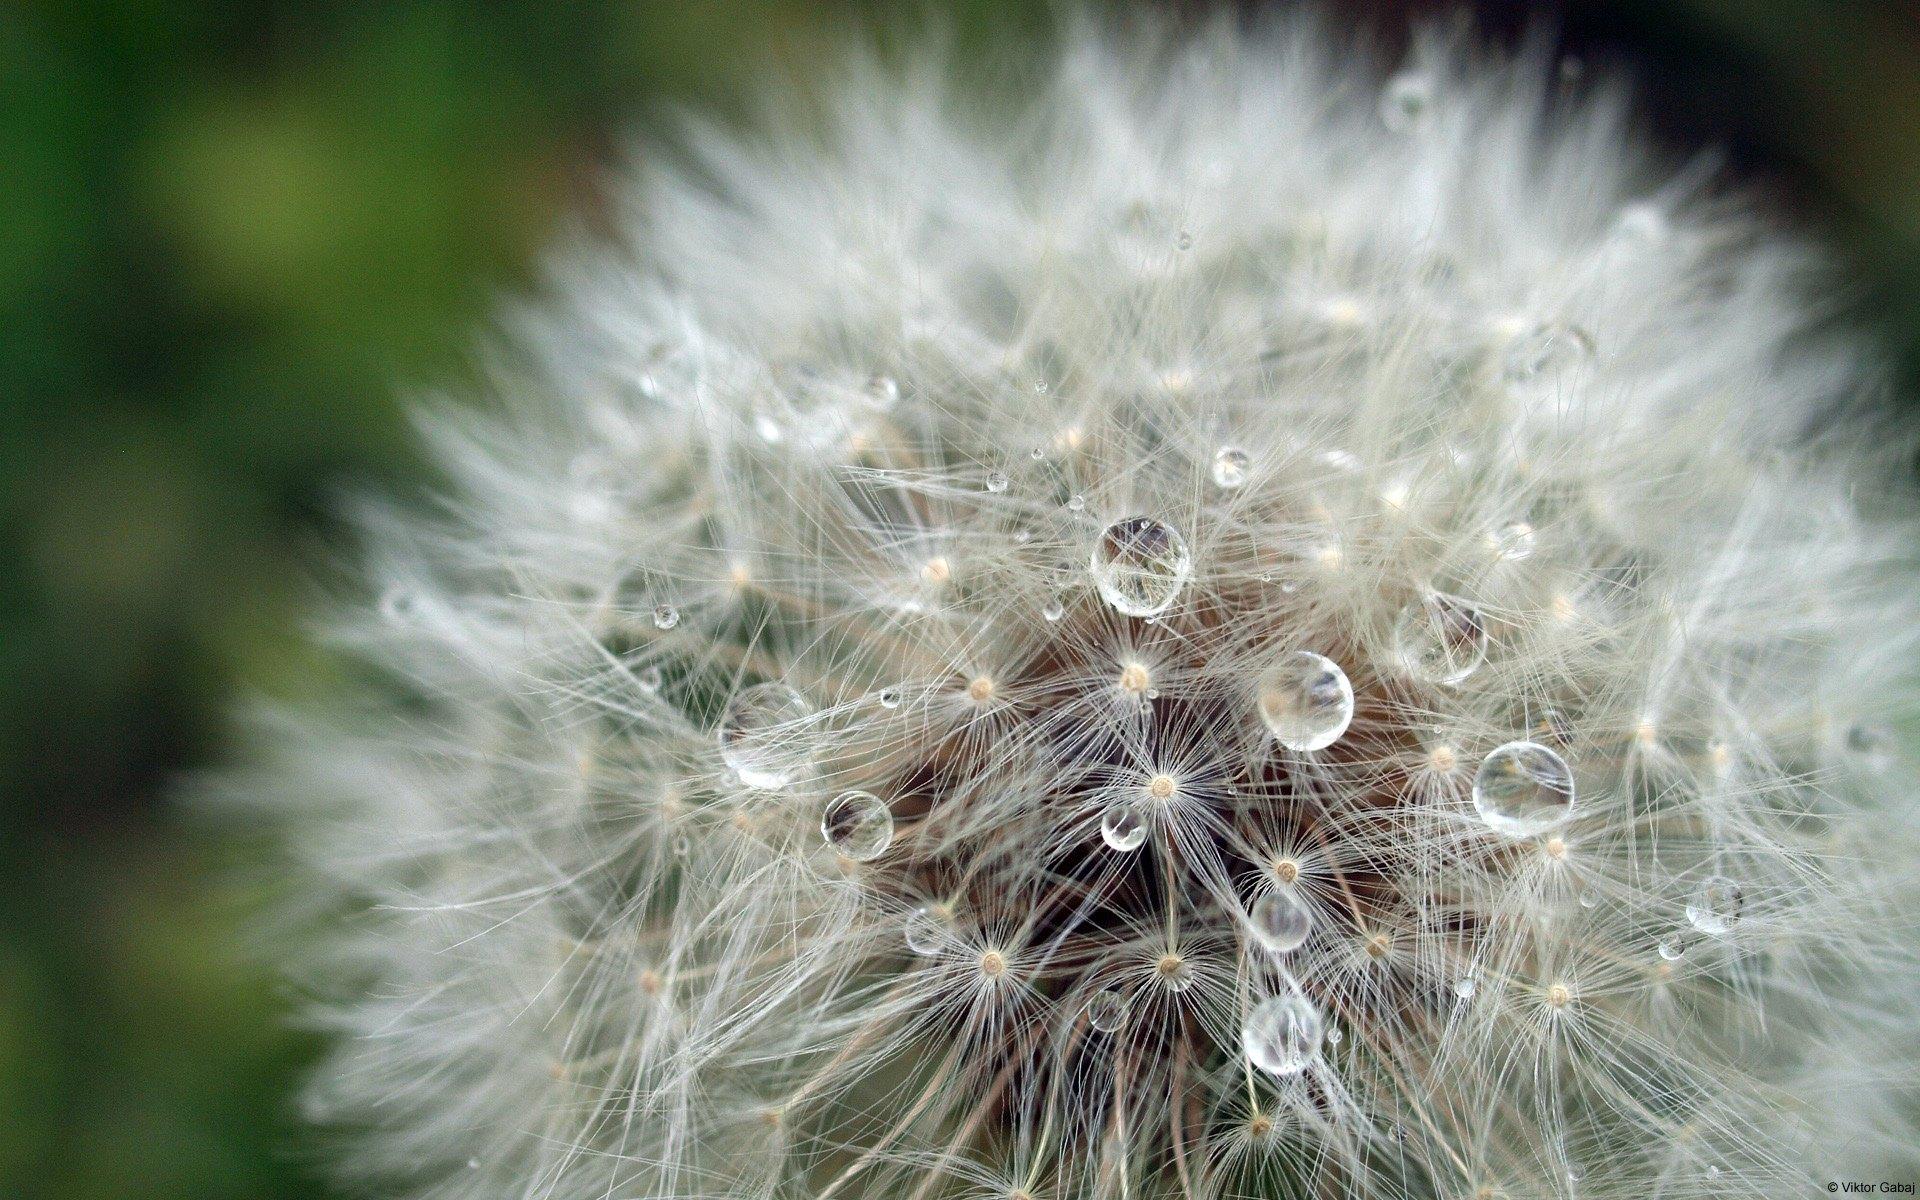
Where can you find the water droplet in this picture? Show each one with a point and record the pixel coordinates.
(996, 482)
(1123, 827)
(1334, 1036)
(1588, 899)
(1076, 502)
(926, 930)
(1107, 1011)
(1022, 536)
(1464, 987)
(1714, 908)
(883, 390)
(1280, 922)
(1671, 948)
(756, 735)
(1037, 454)
(1230, 467)
(650, 679)
(1054, 610)
(665, 616)
(1140, 564)
(1040, 387)
(1282, 1035)
(857, 825)
(1306, 700)
(1871, 744)
(1406, 101)
(1440, 639)
(1184, 241)
(890, 698)
(1513, 541)
(1546, 350)
(1522, 789)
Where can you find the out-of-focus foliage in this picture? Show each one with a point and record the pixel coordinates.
(234, 236)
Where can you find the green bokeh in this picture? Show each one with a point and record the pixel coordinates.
(234, 237)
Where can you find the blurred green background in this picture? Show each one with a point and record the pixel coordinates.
(233, 236)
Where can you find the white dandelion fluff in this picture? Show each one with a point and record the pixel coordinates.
(1231, 628)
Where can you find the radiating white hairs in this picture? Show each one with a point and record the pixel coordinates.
(1204, 626)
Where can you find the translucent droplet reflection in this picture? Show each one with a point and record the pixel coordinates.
(758, 734)
(1715, 905)
(1523, 789)
(665, 616)
(1230, 467)
(1440, 639)
(1280, 922)
(858, 825)
(1139, 565)
(1282, 1035)
(1123, 827)
(1107, 1011)
(1305, 700)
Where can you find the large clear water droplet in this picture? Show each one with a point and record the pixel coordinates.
(927, 929)
(1513, 541)
(1230, 467)
(858, 825)
(1282, 1035)
(759, 737)
(1280, 922)
(1140, 564)
(1440, 639)
(1523, 789)
(665, 616)
(1107, 1011)
(1123, 827)
(1306, 700)
(997, 482)
(1715, 906)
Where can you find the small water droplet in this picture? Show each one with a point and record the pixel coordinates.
(1334, 1036)
(1107, 1011)
(1513, 541)
(1040, 387)
(1588, 899)
(1671, 948)
(1230, 467)
(1715, 906)
(1123, 827)
(858, 825)
(890, 698)
(1522, 789)
(1037, 454)
(1305, 700)
(1406, 101)
(1076, 502)
(1282, 1035)
(1022, 536)
(650, 679)
(1280, 922)
(996, 482)
(883, 390)
(1546, 350)
(1140, 565)
(1464, 987)
(757, 735)
(926, 930)
(665, 616)
(1440, 639)
(1054, 610)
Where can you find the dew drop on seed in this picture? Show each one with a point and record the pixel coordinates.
(1465, 987)
(925, 930)
(1334, 1036)
(1107, 1011)
(1037, 454)
(1522, 789)
(1123, 827)
(1040, 387)
(1714, 908)
(1139, 565)
(1406, 101)
(1513, 541)
(1230, 467)
(1671, 948)
(890, 698)
(883, 390)
(1054, 610)
(857, 825)
(756, 738)
(650, 680)
(1546, 350)
(1306, 700)
(1440, 639)
(1280, 922)
(1282, 1035)
(1588, 899)
(665, 616)
(1076, 502)
(996, 482)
